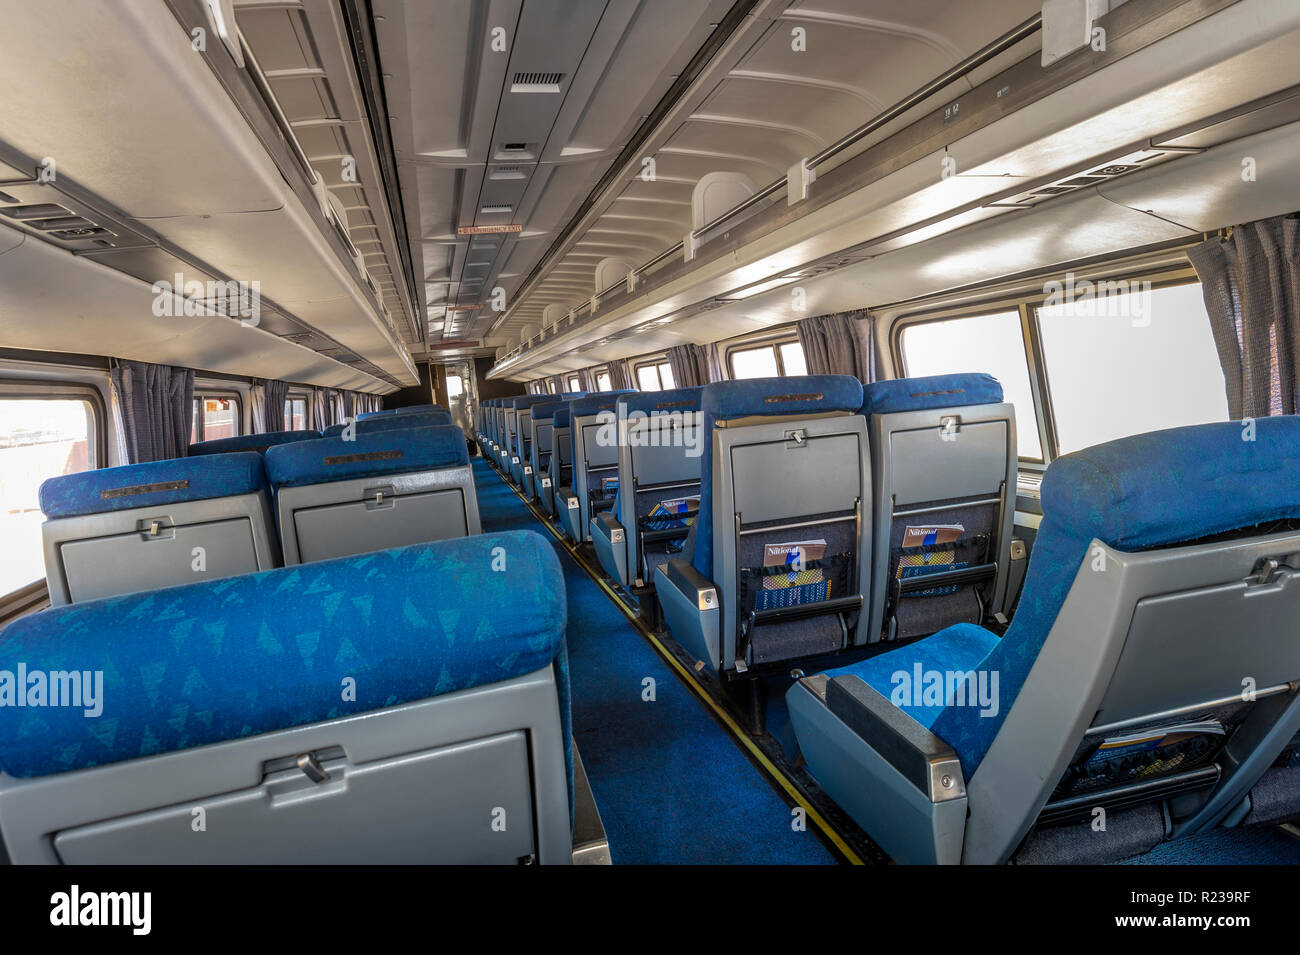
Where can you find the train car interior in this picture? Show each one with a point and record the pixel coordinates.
(648, 432)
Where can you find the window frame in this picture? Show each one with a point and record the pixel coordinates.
(574, 382)
(306, 416)
(767, 340)
(218, 394)
(35, 595)
(1026, 302)
(657, 364)
(599, 373)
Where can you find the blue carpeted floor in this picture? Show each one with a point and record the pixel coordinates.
(671, 785)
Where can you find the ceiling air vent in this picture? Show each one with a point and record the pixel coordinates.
(499, 209)
(514, 152)
(499, 173)
(536, 83)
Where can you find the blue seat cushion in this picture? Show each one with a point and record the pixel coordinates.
(397, 451)
(1138, 493)
(679, 400)
(250, 442)
(431, 419)
(961, 648)
(154, 484)
(224, 659)
(935, 391)
(726, 400)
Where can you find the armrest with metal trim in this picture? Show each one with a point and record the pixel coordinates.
(569, 509)
(898, 781)
(691, 609)
(609, 538)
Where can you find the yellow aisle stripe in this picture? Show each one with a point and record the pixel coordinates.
(739, 734)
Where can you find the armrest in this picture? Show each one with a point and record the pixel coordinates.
(565, 498)
(607, 525)
(926, 761)
(681, 573)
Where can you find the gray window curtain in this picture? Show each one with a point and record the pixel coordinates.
(157, 408)
(349, 404)
(839, 344)
(694, 365)
(620, 375)
(586, 380)
(277, 393)
(257, 406)
(322, 409)
(1251, 285)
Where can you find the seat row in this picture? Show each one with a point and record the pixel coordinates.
(257, 501)
(876, 523)
(408, 706)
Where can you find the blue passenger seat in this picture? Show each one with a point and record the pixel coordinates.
(383, 489)
(593, 453)
(943, 452)
(144, 526)
(779, 565)
(405, 706)
(1151, 671)
(659, 453)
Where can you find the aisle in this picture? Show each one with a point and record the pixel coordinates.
(672, 787)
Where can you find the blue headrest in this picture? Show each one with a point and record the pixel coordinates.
(546, 409)
(682, 400)
(725, 400)
(369, 455)
(422, 409)
(1150, 490)
(805, 394)
(154, 484)
(392, 422)
(570, 395)
(596, 403)
(225, 659)
(935, 391)
(250, 442)
(562, 416)
(375, 414)
(527, 401)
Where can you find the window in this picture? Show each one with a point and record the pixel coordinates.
(39, 438)
(979, 343)
(295, 413)
(655, 376)
(574, 383)
(455, 386)
(215, 416)
(771, 360)
(550, 385)
(1128, 362)
(602, 381)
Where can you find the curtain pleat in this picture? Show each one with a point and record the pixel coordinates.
(257, 406)
(1251, 286)
(838, 344)
(277, 393)
(695, 365)
(157, 405)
